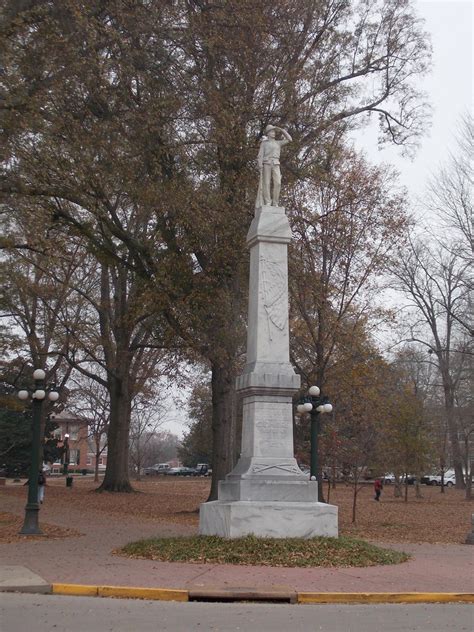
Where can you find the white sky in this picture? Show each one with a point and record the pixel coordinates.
(450, 92)
(449, 87)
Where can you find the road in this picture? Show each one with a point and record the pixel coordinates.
(47, 613)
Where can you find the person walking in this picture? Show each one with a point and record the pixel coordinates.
(41, 486)
(378, 489)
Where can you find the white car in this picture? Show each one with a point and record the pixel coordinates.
(159, 468)
(450, 480)
(435, 479)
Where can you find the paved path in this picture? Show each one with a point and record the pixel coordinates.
(88, 560)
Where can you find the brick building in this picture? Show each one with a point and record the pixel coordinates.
(81, 447)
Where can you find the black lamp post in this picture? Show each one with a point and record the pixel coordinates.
(315, 404)
(66, 455)
(30, 524)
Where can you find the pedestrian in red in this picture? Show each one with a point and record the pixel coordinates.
(378, 489)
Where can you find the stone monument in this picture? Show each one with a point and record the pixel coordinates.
(266, 494)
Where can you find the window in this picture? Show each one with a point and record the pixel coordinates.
(74, 457)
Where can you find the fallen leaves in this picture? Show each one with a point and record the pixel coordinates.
(435, 518)
(10, 525)
(248, 551)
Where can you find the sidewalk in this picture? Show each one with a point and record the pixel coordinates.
(88, 560)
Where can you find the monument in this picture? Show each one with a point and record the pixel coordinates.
(266, 494)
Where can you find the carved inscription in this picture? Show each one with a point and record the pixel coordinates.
(274, 433)
(275, 294)
(258, 468)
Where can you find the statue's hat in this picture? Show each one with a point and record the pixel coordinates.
(269, 128)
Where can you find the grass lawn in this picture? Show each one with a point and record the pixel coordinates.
(290, 552)
(435, 518)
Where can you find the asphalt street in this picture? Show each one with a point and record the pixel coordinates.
(47, 613)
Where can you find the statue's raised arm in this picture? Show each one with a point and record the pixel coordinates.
(269, 165)
(286, 137)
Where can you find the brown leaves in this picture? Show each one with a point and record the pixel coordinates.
(10, 525)
(252, 550)
(435, 518)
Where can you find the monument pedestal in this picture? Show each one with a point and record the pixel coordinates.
(266, 494)
(268, 519)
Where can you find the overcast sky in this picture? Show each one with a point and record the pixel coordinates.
(450, 92)
(449, 87)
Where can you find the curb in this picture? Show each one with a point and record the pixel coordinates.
(123, 592)
(169, 594)
(387, 597)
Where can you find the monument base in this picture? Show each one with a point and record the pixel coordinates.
(236, 519)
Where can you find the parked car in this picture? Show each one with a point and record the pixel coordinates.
(430, 479)
(389, 479)
(158, 468)
(435, 479)
(180, 471)
(202, 469)
(450, 480)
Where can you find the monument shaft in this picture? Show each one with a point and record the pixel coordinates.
(266, 494)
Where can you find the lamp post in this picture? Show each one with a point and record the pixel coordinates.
(315, 404)
(30, 524)
(66, 455)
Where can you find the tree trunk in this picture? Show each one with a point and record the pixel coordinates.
(320, 483)
(333, 477)
(116, 477)
(354, 500)
(453, 431)
(97, 458)
(468, 474)
(397, 490)
(223, 422)
(42, 435)
(138, 463)
(469, 488)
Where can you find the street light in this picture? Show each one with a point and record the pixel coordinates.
(30, 524)
(66, 456)
(315, 404)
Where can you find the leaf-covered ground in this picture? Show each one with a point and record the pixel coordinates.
(435, 518)
(10, 525)
(291, 552)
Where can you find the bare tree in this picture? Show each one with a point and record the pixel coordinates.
(450, 198)
(147, 417)
(37, 297)
(450, 190)
(114, 348)
(348, 222)
(432, 280)
(89, 400)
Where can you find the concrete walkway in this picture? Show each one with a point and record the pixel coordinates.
(88, 560)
